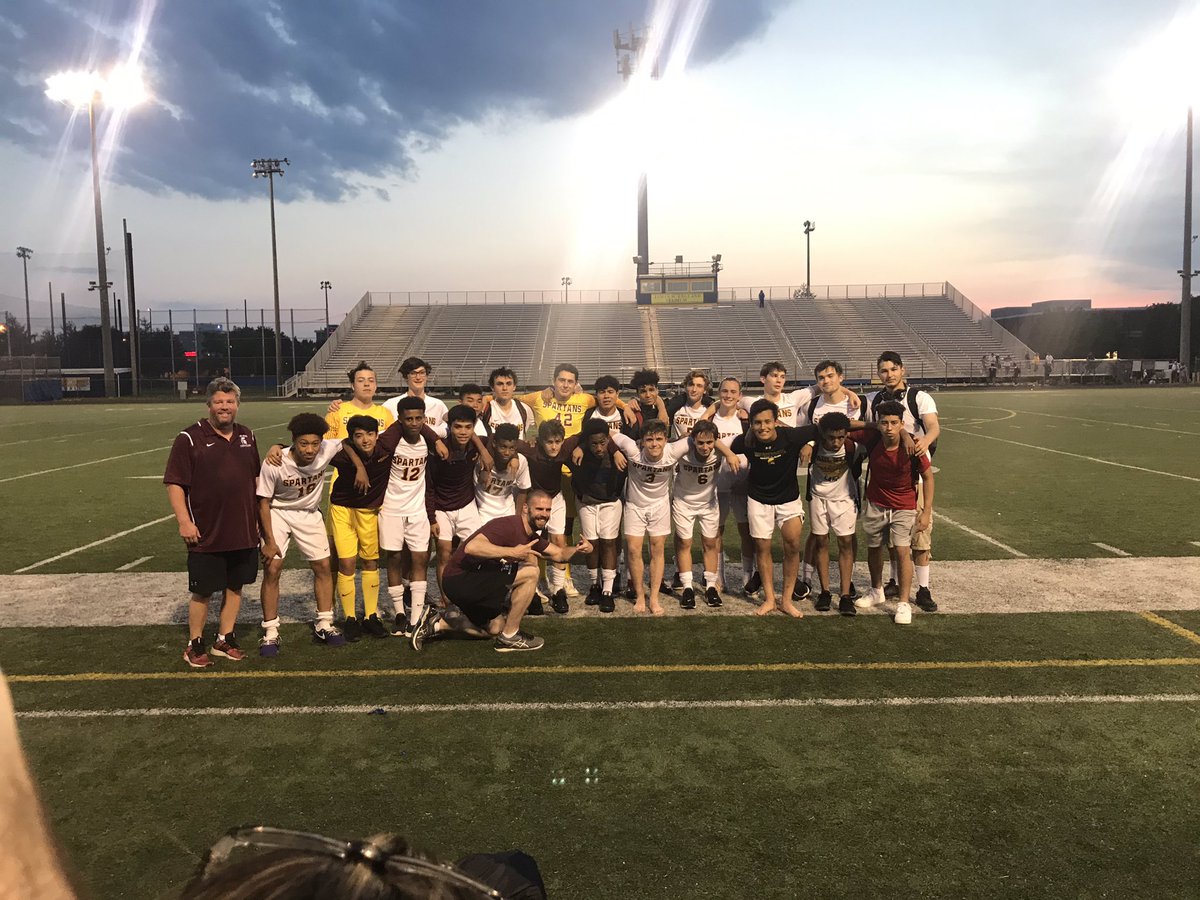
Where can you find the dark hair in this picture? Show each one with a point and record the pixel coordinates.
(654, 426)
(361, 367)
(566, 367)
(415, 362)
(834, 421)
(308, 423)
(502, 372)
(889, 356)
(772, 366)
(697, 373)
(734, 379)
(643, 377)
(888, 408)
(705, 426)
(550, 429)
(828, 364)
(469, 388)
(460, 412)
(606, 382)
(410, 403)
(764, 405)
(507, 432)
(368, 424)
(595, 426)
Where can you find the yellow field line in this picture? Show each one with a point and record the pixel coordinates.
(916, 666)
(1184, 633)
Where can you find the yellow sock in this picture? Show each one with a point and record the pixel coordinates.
(345, 589)
(370, 582)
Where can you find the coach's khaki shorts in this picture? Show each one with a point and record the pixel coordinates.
(893, 526)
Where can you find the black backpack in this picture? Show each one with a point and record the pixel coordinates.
(910, 399)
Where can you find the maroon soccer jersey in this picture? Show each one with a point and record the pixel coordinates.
(218, 479)
(453, 479)
(507, 531)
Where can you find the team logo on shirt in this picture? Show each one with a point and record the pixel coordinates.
(243, 440)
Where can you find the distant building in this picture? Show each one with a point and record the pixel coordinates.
(1041, 306)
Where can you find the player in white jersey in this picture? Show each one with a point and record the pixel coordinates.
(694, 499)
(501, 491)
(731, 487)
(416, 372)
(471, 396)
(925, 429)
(289, 498)
(503, 407)
(651, 460)
(688, 408)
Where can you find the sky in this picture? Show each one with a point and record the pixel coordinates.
(1023, 151)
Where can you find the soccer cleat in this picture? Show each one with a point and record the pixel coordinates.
(424, 629)
(559, 603)
(352, 629)
(925, 601)
(194, 655)
(665, 588)
(606, 603)
(268, 646)
(676, 581)
(891, 590)
(328, 634)
(687, 600)
(903, 614)
(593, 595)
(801, 591)
(711, 597)
(846, 605)
(853, 595)
(401, 628)
(535, 606)
(824, 600)
(228, 648)
(753, 584)
(374, 627)
(867, 600)
(519, 641)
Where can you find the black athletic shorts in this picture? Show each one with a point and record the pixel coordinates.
(212, 572)
(480, 595)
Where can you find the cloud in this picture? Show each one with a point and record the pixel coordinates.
(345, 90)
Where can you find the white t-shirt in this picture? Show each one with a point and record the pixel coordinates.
(685, 420)
(497, 498)
(435, 412)
(791, 404)
(925, 406)
(830, 477)
(513, 417)
(615, 419)
(729, 427)
(824, 406)
(648, 482)
(292, 486)
(405, 494)
(696, 479)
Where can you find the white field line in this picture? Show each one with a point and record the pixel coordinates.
(1106, 462)
(105, 430)
(1195, 543)
(1115, 551)
(144, 477)
(980, 535)
(614, 706)
(136, 562)
(104, 540)
(1120, 425)
(92, 462)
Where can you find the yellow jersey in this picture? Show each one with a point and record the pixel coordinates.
(337, 420)
(569, 412)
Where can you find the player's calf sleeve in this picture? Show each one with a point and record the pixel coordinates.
(345, 589)
(685, 577)
(607, 579)
(418, 601)
(595, 573)
(555, 577)
(370, 585)
(710, 580)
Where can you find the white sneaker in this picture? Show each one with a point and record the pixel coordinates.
(903, 614)
(869, 599)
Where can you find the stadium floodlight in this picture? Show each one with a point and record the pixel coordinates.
(123, 88)
(325, 286)
(4, 330)
(566, 283)
(268, 169)
(25, 253)
(809, 228)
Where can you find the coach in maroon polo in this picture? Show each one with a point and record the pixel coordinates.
(210, 481)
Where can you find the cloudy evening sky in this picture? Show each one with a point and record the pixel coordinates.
(1014, 148)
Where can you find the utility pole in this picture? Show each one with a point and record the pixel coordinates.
(268, 169)
(1185, 302)
(25, 253)
(135, 337)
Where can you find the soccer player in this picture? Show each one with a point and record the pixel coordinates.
(688, 408)
(453, 483)
(497, 560)
(210, 479)
(607, 390)
(361, 403)
(921, 421)
(892, 502)
(289, 494)
(500, 490)
(694, 499)
(471, 395)
(503, 407)
(649, 403)
(732, 487)
(599, 484)
(415, 372)
(773, 451)
(651, 460)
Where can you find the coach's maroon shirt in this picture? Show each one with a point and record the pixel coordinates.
(218, 480)
(507, 531)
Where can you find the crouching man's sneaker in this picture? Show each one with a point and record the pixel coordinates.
(925, 601)
(227, 647)
(195, 656)
(519, 641)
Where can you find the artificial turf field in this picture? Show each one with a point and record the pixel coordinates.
(1040, 754)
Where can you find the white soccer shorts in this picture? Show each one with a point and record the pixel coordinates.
(766, 517)
(397, 531)
(458, 523)
(600, 521)
(836, 514)
(558, 515)
(684, 516)
(306, 526)
(654, 521)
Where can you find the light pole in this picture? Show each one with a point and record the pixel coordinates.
(325, 286)
(1185, 301)
(566, 283)
(269, 168)
(809, 228)
(25, 253)
(122, 89)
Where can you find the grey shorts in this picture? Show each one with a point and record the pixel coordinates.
(893, 526)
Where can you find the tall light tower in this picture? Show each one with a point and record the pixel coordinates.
(629, 57)
(1185, 301)
(809, 228)
(325, 286)
(268, 169)
(25, 253)
(566, 283)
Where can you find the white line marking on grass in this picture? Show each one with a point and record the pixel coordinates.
(983, 537)
(1115, 551)
(1195, 543)
(105, 540)
(136, 562)
(1121, 425)
(615, 706)
(98, 431)
(144, 477)
(1106, 462)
